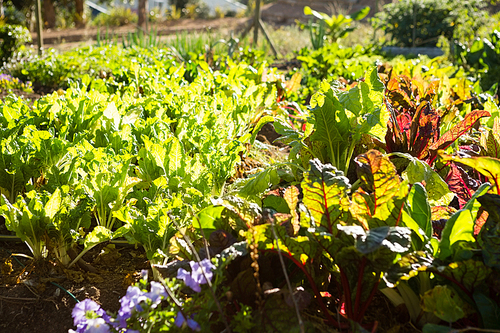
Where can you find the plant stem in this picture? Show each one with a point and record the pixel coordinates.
(347, 294)
(197, 257)
(301, 323)
(368, 301)
(359, 285)
(322, 305)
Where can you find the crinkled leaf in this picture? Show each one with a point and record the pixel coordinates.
(469, 273)
(376, 201)
(239, 213)
(407, 266)
(325, 194)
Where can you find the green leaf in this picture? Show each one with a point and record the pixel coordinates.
(98, 235)
(262, 121)
(360, 14)
(444, 303)
(207, 218)
(331, 125)
(259, 182)
(489, 311)
(419, 208)
(53, 205)
(460, 227)
(325, 194)
(418, 172)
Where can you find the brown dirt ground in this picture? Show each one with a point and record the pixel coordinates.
(30, 302)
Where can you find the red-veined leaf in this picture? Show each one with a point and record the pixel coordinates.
(485, 165)
(325, 194)
(449, 137)
(380, 184)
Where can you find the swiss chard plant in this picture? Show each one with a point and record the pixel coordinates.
(356, 236)
(338, 121)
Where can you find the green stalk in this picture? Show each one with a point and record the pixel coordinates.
(79, 256)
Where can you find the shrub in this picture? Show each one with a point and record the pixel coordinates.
(422, 22)
(12, 38)
(117, 17)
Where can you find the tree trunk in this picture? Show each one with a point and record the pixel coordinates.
(49, 14)
(80, 16)
(142, 13)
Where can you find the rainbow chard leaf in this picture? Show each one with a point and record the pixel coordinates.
(460, 183)
(325, 195)
(375, 251)
(380, 198)
(340, 119)
(491, 140)
(487, 166)
(459, 129)
(490, 233)
(469, 273)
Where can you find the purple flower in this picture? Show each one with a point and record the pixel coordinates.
(97, 325)
(80, 310)
(181, 321)
(157, 291)
(130, 302)
(198, 273)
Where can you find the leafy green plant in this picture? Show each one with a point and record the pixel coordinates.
(332, 28)
(414, 125)
(354, 239)
(484, 57)
(338, 121)
(29, 218)
(118, 16)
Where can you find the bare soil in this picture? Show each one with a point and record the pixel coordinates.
(33, 297)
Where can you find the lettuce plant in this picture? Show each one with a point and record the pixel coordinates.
(30, 217)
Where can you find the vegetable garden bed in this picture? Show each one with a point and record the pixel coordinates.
(147, 185)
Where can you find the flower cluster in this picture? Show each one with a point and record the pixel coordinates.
(200, 272)
(137, 305)
(89, 317)
(9, 82)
